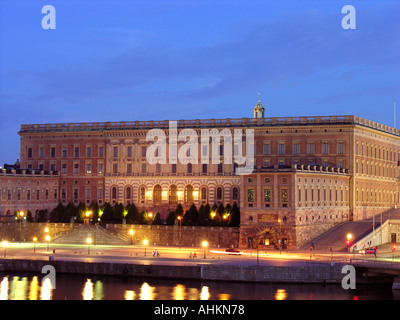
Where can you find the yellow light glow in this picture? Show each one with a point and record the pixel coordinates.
(281, 294)
(130, 295)
(164, 195)
(349, 236)
(180, 195)
(47, 238)
(131, 232)
(145, 242)
(179, 292)
(204, 244)
(150, 215)
(4, 289)
(46, 230)
(88, 240)
(195, 195)
(205, 293)
(147, 292)
(34, 239)
(46, 289)
(33, 289)
(87, 292)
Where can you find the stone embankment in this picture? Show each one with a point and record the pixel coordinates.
(316, 273)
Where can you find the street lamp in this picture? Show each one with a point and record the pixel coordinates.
(131, 232)
(145, 242)
(150, 215)
(48, 241)
(180, 231)
(89, 242)
(34, 244)
(348, 242)
(280, 236)
(5, 244)
(204, 244)
(87, 216)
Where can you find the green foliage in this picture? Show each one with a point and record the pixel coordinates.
(157, 219)
(108, 213)
(143, 218)
(133, 214)
(171, 218)
(204, 215)
(234, 217)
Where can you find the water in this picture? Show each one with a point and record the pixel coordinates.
(72, 287)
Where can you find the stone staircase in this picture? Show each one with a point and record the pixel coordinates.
(99, 235)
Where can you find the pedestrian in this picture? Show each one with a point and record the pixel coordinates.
(195, 255)
(190, 255)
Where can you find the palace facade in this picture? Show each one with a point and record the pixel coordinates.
(309, 174)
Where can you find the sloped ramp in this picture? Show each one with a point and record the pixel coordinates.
(99, 235)
(336, 237)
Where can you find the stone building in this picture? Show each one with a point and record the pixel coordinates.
(351, 161)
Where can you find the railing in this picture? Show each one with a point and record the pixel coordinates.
(392, 265)
(211, 123)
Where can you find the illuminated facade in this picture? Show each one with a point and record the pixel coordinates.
(333, 168)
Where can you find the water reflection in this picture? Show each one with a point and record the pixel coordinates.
(75, 287)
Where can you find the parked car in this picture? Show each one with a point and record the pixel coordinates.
(233, 251)
(369, 251)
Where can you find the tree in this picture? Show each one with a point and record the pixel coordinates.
(29, 217)
(204, 215)
(234, 220)
(133, 214)
(171, 218)
(81, 211)
(108, 213)
(179, 210)
(190, 216)
(42, 216)
(143, 218)
(72, 209)
(118, 213)
(157, 219)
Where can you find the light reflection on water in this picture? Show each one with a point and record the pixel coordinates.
(28, 287)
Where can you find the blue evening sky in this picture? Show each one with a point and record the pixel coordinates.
(119, 60)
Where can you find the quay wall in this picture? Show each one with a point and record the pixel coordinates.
(317, 273)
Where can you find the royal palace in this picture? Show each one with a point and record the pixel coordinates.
(307, 173)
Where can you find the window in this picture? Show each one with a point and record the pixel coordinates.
(281, 148)
(41, 152)
(76, 152)
(144, 151)
(325, 148)
(129, 168)
(158, 168)
(115, 168)
(115, 152)
(250, 195)
(76, 168)
(76, 193)
(101, 151)
(340, 147)
(189, 193)
(235, 193)
(267, 149)
(204, 194)
(296, 148)
(88, 152)
(113, 193)
(310, 148)
(189, 168)
(128, 193)
(28, 194)
(64, 152)
(173, 168)
(88, 168)
(129, 151)
(284, 195)
(219, 194)
(101, 167)
(64, 168)
(267, 195)
(142, 195)
(204, 168)
(53, 152)
(220, 168)
(144, 168)
(29, 152)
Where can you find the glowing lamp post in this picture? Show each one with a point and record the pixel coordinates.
(205, 245)
(5, 244)
(131, 232)
(34, 244)
(348, 242)
(89, 242)
(145, 242)
(180, 231)
(48, 241)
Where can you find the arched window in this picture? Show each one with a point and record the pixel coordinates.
(219, 194)
(157, 193)
(188, 193)
(128, 194)
(235, 193)
(173, 197)
(114, 193)
(142, 195)
(203, 194)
